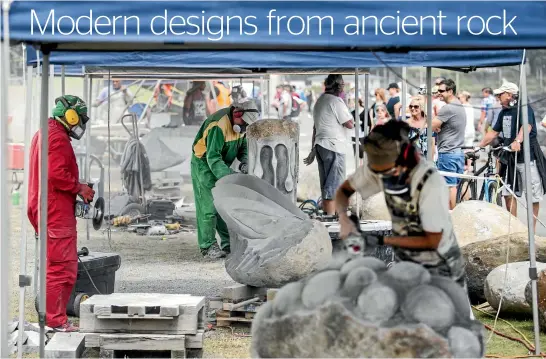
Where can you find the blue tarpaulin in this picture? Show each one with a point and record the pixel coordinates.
(283, 59)
(277, 25)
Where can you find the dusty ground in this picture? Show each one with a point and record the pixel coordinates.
(170, 265)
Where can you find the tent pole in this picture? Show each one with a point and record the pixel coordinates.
(87, 170)
(63, 81)
(357, 135)
(44, 148)
(4, 210)
(529, 196)
(24, 279)
(403, 98)
(262, 97)
(37, 109)
(429, 114)
(366, 102)
(51, 84)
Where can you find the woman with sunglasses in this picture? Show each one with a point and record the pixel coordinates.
(418, 127)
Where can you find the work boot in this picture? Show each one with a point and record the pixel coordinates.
(67, 328)
(213, 252)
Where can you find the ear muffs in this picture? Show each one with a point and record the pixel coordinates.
(71, 116)
(409, 155)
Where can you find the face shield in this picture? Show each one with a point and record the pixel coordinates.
(248, 112)
(77, 131)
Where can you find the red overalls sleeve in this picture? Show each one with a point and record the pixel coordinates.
(59, 163)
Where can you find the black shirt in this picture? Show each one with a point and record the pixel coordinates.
(390, 104)
(362, 121)
(506, 123)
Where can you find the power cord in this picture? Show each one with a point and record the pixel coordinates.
(89, 275)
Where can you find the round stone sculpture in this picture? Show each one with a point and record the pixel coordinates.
(362, 309)
(272, 241)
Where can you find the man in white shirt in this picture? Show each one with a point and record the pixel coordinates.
(331, 116)
(120, 98)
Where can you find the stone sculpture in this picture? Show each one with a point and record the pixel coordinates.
(359, 308)
(273, 154)
(272, 241)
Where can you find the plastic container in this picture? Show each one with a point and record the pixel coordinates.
(16, 156)
(102, 269)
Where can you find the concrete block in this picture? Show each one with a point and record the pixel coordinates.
(65, 346)
(12, 327)
(215, 304)
(34, 339)
(240, 292)
(14, 338)
(195, 341)
(163, 313)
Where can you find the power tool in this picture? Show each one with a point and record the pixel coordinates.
(93, 212)
(360, 243)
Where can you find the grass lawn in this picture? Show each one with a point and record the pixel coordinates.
(499, 346)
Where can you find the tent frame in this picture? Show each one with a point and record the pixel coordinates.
(4, 229)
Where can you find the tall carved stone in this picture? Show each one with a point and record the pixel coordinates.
(273, 154)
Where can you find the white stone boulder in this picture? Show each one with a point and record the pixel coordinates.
(375, 208)
(475, 221)
(362, 309)
(514, 301)
(272, 241)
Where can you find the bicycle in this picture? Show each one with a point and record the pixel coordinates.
(490, 191)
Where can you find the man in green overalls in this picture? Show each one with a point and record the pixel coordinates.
(219, 141)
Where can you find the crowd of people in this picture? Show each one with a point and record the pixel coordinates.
(454, 131)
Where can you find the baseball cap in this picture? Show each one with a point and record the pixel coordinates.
(435, 89)
(393, 85)
(507, 87)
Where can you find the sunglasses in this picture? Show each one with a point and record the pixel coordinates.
(414, 106)
(442, 91)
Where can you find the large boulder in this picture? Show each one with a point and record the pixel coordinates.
(308, 182)
(475, 221)
(359, 308)
(375, 208)
(541, 286)
(272, 241)
(513, 291)
(484, 256)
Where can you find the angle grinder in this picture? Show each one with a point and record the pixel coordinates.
(93, 212)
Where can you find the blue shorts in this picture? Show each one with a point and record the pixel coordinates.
(331, 167)
(451, 162)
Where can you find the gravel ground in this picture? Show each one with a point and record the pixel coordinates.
(149, 265)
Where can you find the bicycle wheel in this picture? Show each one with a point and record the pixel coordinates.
(466, 190)
(494, 193)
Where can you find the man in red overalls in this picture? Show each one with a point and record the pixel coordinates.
(68, 119)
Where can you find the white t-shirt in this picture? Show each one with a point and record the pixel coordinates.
(470, 130)
(433, 200)
(329, 115)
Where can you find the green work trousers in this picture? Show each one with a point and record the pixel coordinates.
(208, 219)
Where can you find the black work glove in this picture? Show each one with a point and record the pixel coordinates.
(243, 167)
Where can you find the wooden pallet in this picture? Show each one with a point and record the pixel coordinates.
(121, 345)
(226, 318)
(143, 313)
